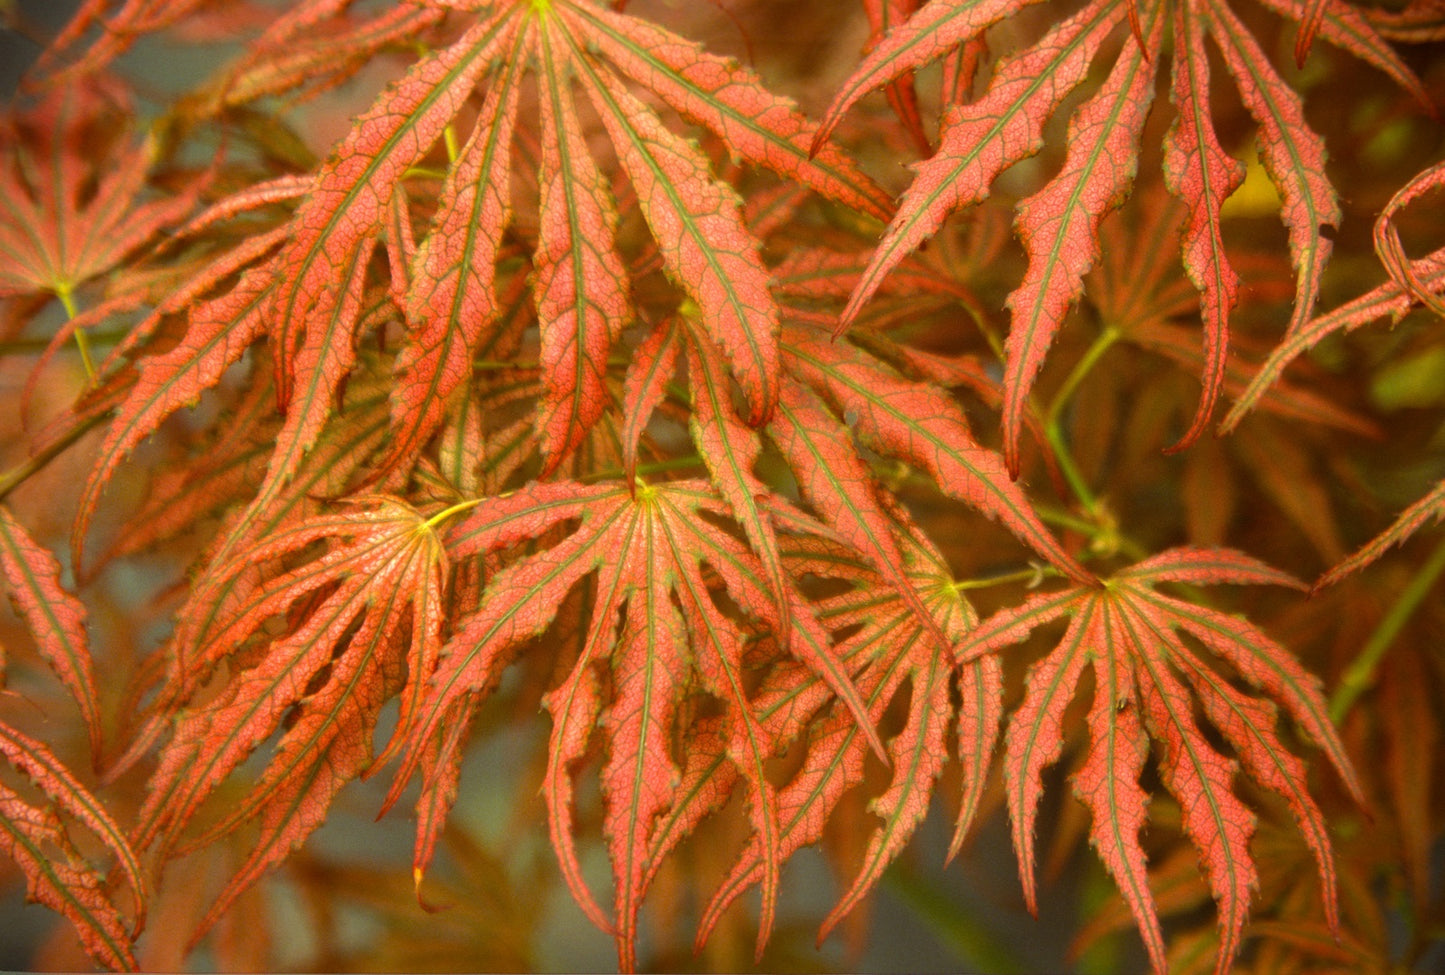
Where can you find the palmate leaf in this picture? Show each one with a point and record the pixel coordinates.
(360, 617)
(1128, 633)
(71, 192)
(56, 875)
(1059, 225)
(890, 648)
(314, 280)
(647, 547)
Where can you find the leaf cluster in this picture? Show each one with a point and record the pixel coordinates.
(584, 372)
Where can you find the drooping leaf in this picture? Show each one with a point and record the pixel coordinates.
(648, 548)
(1293, 155)
(1059, 225)
(39, 843)
(1198, 171)
(371, 612)
(452, 305)
(891, 648)
(982, 138)
(702, 240)
(1127, 632)
(56, 617)
(581, 284)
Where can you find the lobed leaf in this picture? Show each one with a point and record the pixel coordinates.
(1059, 225)
(1127, 633)
(700, 235)
(757, 125)
(981, 140)
(56, 618)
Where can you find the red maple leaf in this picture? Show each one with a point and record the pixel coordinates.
(647, 547)
(1059, 225)
(360, 617)
(1147, 680)
(72, 191)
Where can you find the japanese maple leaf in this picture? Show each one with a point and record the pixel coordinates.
(40, 843)
(656, 631)
(916, 422)
(36, 837)
(360, 617)
(1149, 685)
(249, 520)
(1059, 225)
(72, 192)
(308, 284)
(889, 648)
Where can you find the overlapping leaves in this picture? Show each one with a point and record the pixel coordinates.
(656, 628)
(363, 614)
(1059, 225)
(305, 286)
(889, 648)
(36, 836)
(696, 650)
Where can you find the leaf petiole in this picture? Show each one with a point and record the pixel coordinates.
(1053, 428)
(456, 509)
(66, 294)
(1360, 675)
(22, 472)
(1033, 575)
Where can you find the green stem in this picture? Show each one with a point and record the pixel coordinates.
(1070, 469)
(653, 467)
(1032, 575)
(67, 300)
(1361, 673)
(966, 935)
(455, 509)
(24, 346)
(1082, 368)
(1053, 427)
(20, 473)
